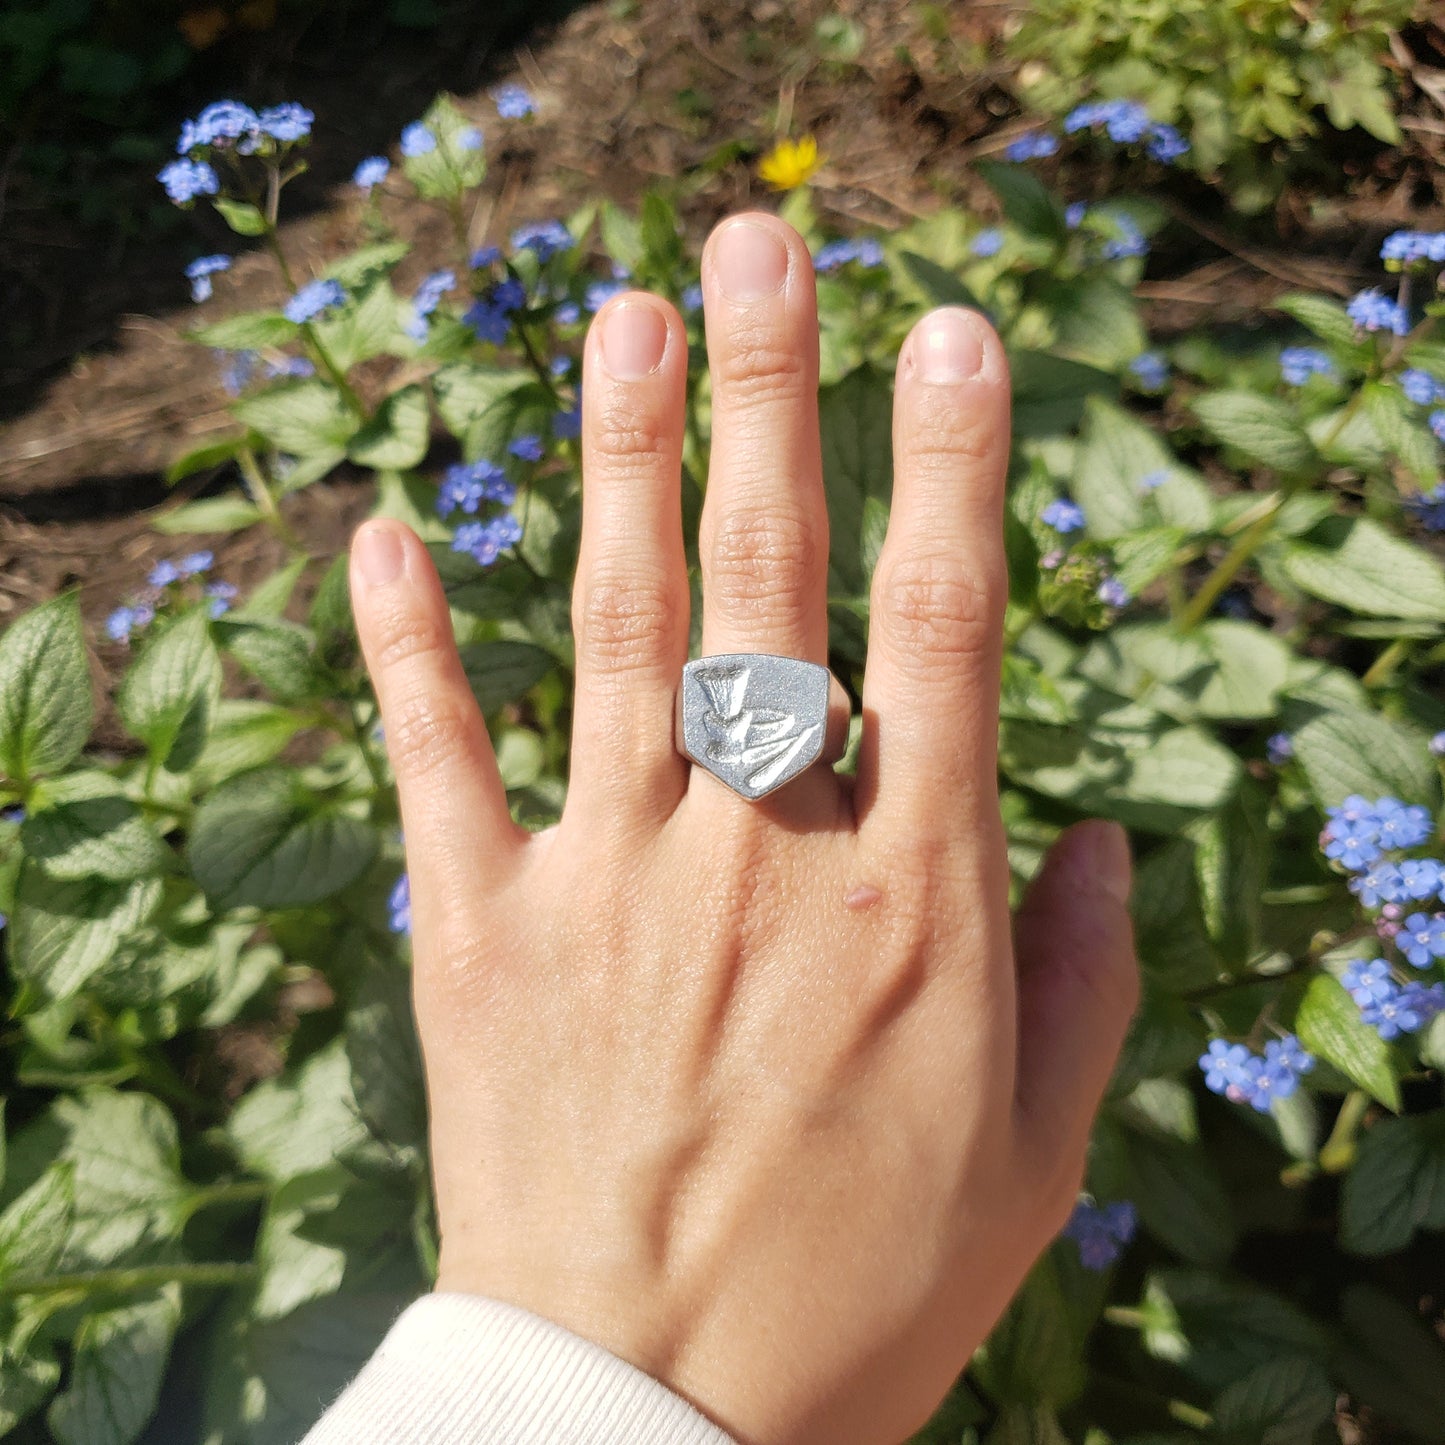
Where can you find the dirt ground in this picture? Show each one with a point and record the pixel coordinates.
(630, 92)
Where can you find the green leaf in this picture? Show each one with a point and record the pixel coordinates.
(212, 514)
(280, 655)
(330, 617)
(856, 418)
(1034, 1356)
(1319, 314)
(501, 672)
(301, 1122)
(940, 286)
(242, 217)
(204, 458)
(1116, 454)
(245, 733)
(1328, 1024)
(1175, 1187)
(1391, 1359)
(306, 418)
(249, 332)
(385, 1058)
(449, 168)
(1224, 669)
(1025, 1425)
(130, 1196)
(171, 690)
(1348, 751)
(1368, 569)
(1026, 201)
(35, 1226)
(1396, 1185)
(1281, 1402)
(1145, 779)
(269, 600)
(353, 269)
(367, 328)
(1396, 419)
(263, 840)
(117, 1366)
(476, 402)
(397, 436)
(1216, 1328)
(82, 826)
(1093, 318)
(1049, 392)
(63, 932)
(27, 1379)
(1231, 862)
(45, 704)
(1262, 428)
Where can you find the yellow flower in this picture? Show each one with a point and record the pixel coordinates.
(790, 163)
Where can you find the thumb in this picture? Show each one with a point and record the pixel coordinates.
(1078, 985)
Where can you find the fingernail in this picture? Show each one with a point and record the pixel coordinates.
(949, 348)
(380, 555)
(752, 262)
(634, 336)
(1113, 865)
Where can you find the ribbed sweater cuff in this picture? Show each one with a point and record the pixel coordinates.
(460, 1370)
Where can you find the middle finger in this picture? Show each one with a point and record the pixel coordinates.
(763, 536)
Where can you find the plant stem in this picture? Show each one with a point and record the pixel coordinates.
(1188, 1414)
(1337, 1153)
(231, 1191)
(260, 492)
(1383, 667)
(1248, 543)
(143, 1277)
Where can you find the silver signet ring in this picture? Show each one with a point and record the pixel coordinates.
(754, 720)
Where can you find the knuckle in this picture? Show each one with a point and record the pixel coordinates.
(619, 622)
(940, 434)
(758, 367)
(624, 436)
(413, 634)
(936, 606)
(763, 562)
(426, 727)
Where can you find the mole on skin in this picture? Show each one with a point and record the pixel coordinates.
(865, 895)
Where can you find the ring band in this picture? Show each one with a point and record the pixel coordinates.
(755, 721)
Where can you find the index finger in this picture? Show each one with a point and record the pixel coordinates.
(931, 690)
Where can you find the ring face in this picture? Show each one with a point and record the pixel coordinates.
(752, 720)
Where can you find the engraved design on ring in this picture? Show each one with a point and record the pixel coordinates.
(754, 721)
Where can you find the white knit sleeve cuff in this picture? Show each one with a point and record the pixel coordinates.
(457, 1369)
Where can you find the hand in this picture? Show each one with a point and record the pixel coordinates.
(766, 1098)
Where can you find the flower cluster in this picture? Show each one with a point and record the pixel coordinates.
(543, 238)
(790, 163)
(1369, 840)
(228, 126)
(1389, 1005)
(490, 315)
(513, 102)
(865, 252)
(1063, 515)
(1372, 310)
(1422, 387)
(314, 298)
(199, 274)
(467, 485)
(162, 586)
(1298, 363)
(1245, 1077)
(1101, 1231)
(1150, 371)
(987, 243)
(426, 300)
(1412, 248)
(371, 172)
(1126, 122)
(1034, 146)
